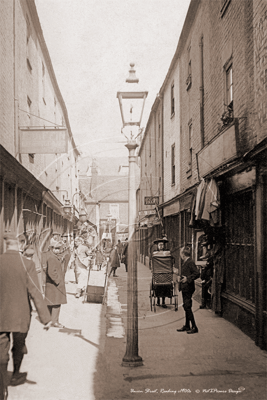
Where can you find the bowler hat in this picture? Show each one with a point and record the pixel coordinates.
(163, 240)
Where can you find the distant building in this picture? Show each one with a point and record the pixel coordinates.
(104, 183)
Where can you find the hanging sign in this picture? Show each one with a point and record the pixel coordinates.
(43, 141)
(151, 200)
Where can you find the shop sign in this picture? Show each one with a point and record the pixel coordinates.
(170, 209)
(43, 141)
(241, 181)
(151, 200)
(144, 213)
(220, 151)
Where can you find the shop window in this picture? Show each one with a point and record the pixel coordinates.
(239, 245)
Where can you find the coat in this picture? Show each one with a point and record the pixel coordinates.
(18, 280)
(120, 248)
(99, 258)
(125, 253)
(114, 260)
(191, 272)
(55, 291)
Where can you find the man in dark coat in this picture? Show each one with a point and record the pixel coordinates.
(189, 273)
(55, 290)
(18, 281)
(124, 254)
(119, 249)
(114, 261)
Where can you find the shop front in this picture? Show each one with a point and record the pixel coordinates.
(236, 239)
(28, 208)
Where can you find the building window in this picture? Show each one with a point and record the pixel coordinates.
(173, 163)
(189, 69)
(172, 100)
(29, 103)
(43, 82)
(228, 114)
(29, 65)
(28, 29)
(190, 150)
(224, 6)
(229, 84)
(159, 125)
(189, 77)
(190, 146)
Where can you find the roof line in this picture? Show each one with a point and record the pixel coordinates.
(189, 19)
(39, 32)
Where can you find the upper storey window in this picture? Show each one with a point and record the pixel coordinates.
(172, 100)
(224, 6)
(229, 84)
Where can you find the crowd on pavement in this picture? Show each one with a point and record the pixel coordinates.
(20, 287)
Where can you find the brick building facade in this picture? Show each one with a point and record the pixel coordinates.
(220, 63)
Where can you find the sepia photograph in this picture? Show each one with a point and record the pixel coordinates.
(133, 211)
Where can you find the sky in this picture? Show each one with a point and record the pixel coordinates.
(91, 45)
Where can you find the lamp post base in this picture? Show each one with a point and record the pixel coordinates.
(135, 361)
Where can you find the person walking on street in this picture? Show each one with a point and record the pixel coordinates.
(81, 265)
(124, 254)
(98, 259)
(55, 290)
(119, 249)
(189, 273)
(114, 261)
(18, 281)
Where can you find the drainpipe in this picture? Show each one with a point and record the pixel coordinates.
(201, 89)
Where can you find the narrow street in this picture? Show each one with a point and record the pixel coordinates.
(83, 360)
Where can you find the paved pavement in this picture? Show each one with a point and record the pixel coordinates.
(83, 361)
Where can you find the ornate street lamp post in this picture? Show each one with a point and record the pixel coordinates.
(131, 107)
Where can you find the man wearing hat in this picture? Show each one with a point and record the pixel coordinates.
(81, 265)
(18, 281)
(161, 251)
(55, 290)
(189, 273)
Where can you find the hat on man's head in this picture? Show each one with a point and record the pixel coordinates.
(163, 240)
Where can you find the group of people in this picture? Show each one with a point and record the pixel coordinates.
(118, 255)
(19, 285)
